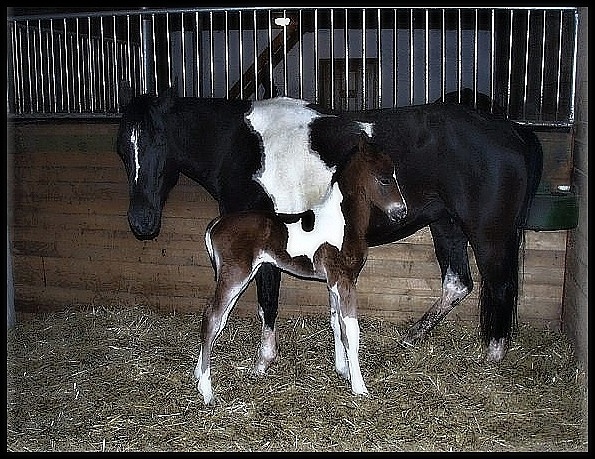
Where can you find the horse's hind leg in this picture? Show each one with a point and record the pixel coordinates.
(498, 262)
(268, 280)
(450, 245)
(229, 289)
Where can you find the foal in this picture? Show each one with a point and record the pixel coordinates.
(334, 251)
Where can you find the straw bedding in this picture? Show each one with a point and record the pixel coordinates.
(94, 378)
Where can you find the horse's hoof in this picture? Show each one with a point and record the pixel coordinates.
(363, 391)
(496, 350)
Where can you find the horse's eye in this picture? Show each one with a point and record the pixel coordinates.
(384, 181)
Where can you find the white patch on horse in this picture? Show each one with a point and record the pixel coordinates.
(134, 142)
(329, 226)
(368, 128)
(262, 257)
(292, 174)
(452, 286)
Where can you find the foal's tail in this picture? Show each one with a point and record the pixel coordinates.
(209, 244)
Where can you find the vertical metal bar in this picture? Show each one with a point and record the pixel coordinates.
(89, 67)
(241, 53)
(459, 57)
(197, 54)
(509, 64)
(526, 65)
(364, 59)
(284, 56)
(226, 33)
(63, 84)
(211, 57)
(427, 58)
(128, 51)
(346, 61)
(53, 72)
(41, 67)
(116, 65)
(183, 47)
(103, 71)
(19, 69)
(541, 84)
(156, 82)
(35, 71)
(301, 54)
(168, 41)
(395, 58)
(443, 64)
(332, 54)
(15, 65)
(78, 64)
(558, 82)
(67, 66)
(492, 62)
(271, 85)
(255, 56)
(316, 60)
(574, 65)
(379, 51)
(411, 32)
(475, 57)
(29, 64)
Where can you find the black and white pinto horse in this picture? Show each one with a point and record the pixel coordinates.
(334, 250)
(468, 176)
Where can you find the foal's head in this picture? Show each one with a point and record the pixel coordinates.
(370, 175)
(142, 146)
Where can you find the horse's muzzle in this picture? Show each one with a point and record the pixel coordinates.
(144, 224)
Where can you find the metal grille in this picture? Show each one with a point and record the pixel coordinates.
(521, 60)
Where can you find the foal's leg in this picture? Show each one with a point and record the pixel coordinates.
(450, 245)
(228, 291)
(268, 280)
(341, 363)
(345, 321)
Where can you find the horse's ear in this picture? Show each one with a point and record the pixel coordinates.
(126, 94)
(362, 142)
(166, 101)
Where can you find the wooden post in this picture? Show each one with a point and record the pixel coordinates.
(10, 314)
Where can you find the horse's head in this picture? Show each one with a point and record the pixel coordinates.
(371, 174)
(142, 146)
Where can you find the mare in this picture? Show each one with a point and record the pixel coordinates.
(245, 154)
(334, 251)
(467, 175)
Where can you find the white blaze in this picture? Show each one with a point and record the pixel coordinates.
(134, 141)
(329, 226)
(292, 174)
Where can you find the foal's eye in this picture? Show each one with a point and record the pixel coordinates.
(384, 181)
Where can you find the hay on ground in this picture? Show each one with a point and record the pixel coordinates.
(108, 379)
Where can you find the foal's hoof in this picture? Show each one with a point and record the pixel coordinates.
(496, 350)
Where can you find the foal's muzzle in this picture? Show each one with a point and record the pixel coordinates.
(397, 212)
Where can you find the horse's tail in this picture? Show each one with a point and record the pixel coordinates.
(534, 164)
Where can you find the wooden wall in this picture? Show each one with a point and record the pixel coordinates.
(67, 203)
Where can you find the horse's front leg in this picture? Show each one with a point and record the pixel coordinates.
(268, 280)
(346, 331)
(341, 362)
